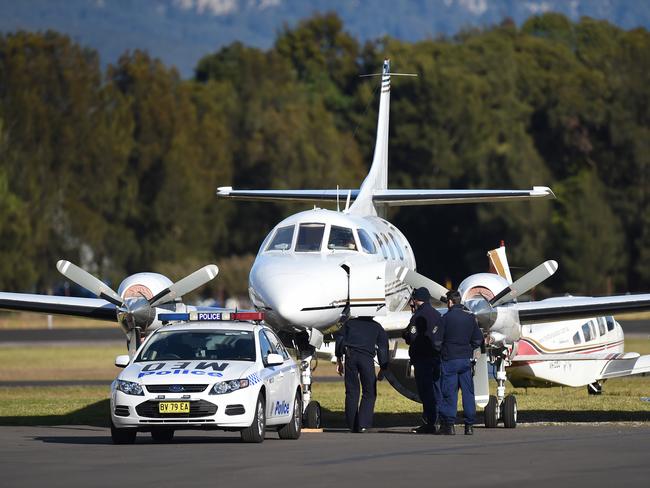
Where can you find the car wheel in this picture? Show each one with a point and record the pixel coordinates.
(255, 433)
(294, 427)
(122, 436)
(162, 435)
(312, 418)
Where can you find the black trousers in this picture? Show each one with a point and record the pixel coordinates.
(427, 380)
(359, 367)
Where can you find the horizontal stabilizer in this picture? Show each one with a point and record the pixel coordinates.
(287, 195)
(388, 197)
(628, 367)
(445, 197)
(92, 308)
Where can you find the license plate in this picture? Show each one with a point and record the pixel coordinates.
(174, 407)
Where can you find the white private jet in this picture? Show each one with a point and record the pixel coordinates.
(319, 266)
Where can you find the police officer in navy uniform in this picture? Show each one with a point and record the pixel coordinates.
(358, 341)
(421, 335)
(461, 336)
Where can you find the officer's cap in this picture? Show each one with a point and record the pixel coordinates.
(421, 294)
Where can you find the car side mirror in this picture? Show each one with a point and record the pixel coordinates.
(274, 360)
(122, 361)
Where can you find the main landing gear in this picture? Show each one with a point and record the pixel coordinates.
(501, 407)
(311, 418)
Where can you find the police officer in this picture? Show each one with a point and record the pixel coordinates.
(358, 341)
(420, 335)
(461, 336)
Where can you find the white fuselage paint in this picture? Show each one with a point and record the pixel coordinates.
(309, 289)
(598, 340)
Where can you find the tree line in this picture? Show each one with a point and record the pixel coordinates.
(117, 169)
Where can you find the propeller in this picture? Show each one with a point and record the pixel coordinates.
(137, 312)
(416, 280)
(525, 283)
(89, 282)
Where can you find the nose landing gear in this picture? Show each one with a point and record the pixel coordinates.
(501, 407)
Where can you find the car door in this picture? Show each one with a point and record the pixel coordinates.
(284, 382)
(270, 376)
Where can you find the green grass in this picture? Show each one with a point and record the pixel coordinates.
(620, 401)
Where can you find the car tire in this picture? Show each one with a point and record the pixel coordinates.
(255, 433)
(122, 436)
(491, 413)
(162, 436)
(293, 429)
(312, 417)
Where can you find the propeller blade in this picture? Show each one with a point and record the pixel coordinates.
(89, 282)
(188, 284)
(526, 282)
(416, 280)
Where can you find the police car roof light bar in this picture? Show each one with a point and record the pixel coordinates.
(210, 316)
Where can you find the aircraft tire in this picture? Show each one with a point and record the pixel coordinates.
(312, 416)
(161, 436)
(595, 388)
(510, 412)
(255, 433)
(490, 412)
(122, 436)
(294, 427)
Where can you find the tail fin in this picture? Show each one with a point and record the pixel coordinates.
(499, 262)
(377, 178)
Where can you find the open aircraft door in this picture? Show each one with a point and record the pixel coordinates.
(366, 289)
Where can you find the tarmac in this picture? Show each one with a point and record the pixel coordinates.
(556, 456)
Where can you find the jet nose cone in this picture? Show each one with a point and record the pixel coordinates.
(292, 296)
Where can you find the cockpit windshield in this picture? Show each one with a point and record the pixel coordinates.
(229, 345)
(310, 237)
(341, 238)
(282, 239)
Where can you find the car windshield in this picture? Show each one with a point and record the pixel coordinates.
(233, 345)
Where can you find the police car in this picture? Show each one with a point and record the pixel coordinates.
(207, 371)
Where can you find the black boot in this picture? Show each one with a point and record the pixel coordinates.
(447, 429)
(425, 429)
(469, 430)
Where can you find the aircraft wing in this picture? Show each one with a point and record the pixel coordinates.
(388, 197)
(567, 308)
(93, 308)
(626, 367)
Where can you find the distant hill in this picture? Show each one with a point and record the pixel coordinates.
(180, 32)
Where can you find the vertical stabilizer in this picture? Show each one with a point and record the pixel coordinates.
(377, 178)
(499, 262)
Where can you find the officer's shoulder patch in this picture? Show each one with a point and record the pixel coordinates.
(435, 329)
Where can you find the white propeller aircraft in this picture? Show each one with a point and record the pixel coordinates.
(317, 267)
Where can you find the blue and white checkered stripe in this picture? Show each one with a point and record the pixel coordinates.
(254, 378)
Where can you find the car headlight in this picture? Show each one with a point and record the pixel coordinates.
(228, 386)
(129, 387)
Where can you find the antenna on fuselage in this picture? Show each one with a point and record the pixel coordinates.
(347, 202)
(338, 206)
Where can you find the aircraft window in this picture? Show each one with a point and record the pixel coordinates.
(381, 246)
(399, 251)
(576, 338)
(282, 239)
(341, 238)
(586, 331)
(610, 322)
(390, 248)
(366, 242)
(592, 327)
(277, 345)
(310, 237)
(602, 326)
